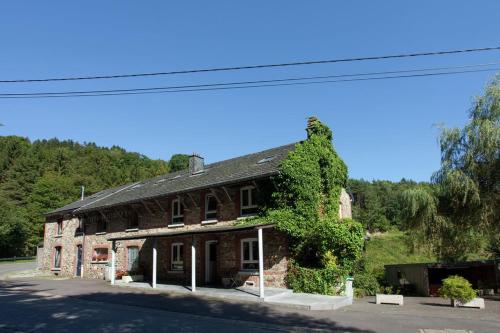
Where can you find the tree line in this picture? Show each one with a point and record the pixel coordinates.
(37, 177)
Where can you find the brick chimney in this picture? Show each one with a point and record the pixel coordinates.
(196, 163)
(310, 124)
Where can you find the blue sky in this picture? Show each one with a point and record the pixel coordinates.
(382, 129)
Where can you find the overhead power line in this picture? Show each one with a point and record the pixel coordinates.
(222, 69)
(254, 82)
(250, 84)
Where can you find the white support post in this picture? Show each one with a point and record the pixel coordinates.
(261, 263)
(193, 266)
(154, 264)
(113, 260)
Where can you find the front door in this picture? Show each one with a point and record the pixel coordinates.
(133, 259)
(210, 262)
(79, 255)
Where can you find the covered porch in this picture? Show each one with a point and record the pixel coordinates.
(229, 256)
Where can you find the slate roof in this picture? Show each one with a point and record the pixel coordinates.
(243, 168)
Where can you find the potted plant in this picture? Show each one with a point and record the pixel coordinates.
(460, 292)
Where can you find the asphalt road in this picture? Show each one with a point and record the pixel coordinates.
(89, 305)
(6, 268)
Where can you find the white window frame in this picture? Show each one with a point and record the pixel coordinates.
(172, 257)
(252, 260)
(251, 204)
(177, 202)
(207, 219)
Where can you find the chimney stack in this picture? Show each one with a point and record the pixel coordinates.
(311, 121)
(196, 164)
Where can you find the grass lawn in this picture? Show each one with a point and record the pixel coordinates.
(390, 248)
(16, 261)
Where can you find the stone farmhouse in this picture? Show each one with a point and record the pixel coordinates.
(182, 228)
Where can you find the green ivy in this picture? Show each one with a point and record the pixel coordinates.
(306, 207)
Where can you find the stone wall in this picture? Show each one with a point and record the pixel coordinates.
(155, 216)
(345, 207)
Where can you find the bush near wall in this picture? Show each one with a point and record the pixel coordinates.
(457, 288)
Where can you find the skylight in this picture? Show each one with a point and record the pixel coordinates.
(266, 159)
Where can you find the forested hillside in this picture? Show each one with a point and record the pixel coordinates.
(36, 177)
(377, 204)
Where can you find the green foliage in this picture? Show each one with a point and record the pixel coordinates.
(306, 205)
(377, 204)
(460, 215)
(13, 230)
(392, 248)
(317, 281)
(178, 162)
(365, 284)
(457, 288)
(36, 177)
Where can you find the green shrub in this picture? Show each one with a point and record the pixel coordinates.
(458, 288)
(365, 284)
(326, 281)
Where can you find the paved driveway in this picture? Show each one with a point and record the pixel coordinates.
(6, 268)
(90, 305)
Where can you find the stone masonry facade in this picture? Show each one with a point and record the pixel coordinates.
(155, 216)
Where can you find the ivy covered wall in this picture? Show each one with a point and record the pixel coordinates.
(306, 208)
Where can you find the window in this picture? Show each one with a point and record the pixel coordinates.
(249, 254)
(79, 230)
(57, 257)
(59, 227)
(133, 221)
(177, 212)
(100, 254)
(177, 257)
(210, 207)
(133, 258)
(248, 201)
(101, 225)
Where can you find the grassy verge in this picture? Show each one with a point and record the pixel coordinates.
(16, 261)
(391, 248)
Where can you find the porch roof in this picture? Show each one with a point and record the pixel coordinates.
(207, 230)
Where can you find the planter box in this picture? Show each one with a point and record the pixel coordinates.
(131, 278)
(477, 302)
(389, 299)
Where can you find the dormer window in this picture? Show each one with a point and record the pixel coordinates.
(210, 207)
(79, 230)
(59, 227)
(248, 201)
(177, 212)
(101, 226)
(133, 221)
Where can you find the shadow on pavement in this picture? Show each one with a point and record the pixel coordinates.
(39, 310)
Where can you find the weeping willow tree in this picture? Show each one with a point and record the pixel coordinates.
(459, 216)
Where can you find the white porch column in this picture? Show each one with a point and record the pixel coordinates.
(193, 266)
(154, 264)
(261, 263)
(113, 260)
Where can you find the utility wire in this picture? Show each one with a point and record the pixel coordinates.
(221, 69)
(176, 90)
(252, 82)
